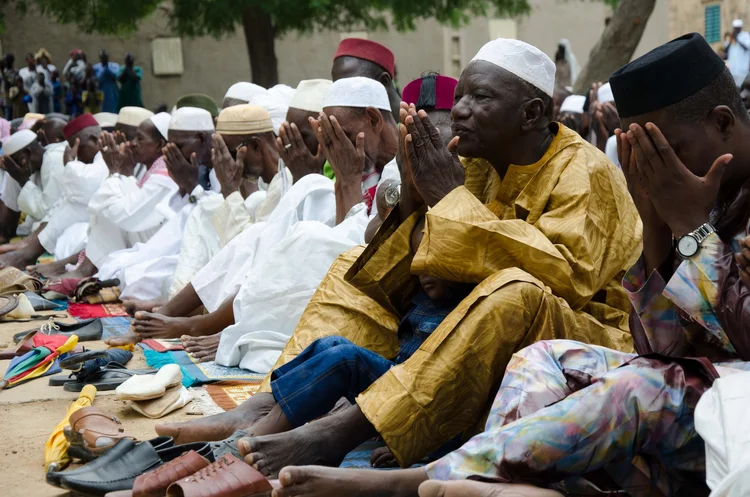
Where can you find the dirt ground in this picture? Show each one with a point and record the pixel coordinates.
(30, 411)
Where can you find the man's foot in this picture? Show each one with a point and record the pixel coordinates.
(220, 426)
(129, 338)
(133, 306)
(203, 349)
(318, 481)
(49, 270)
(382, 457)
(470, 488)
(9, 247)
(18, 259)
(152, 325)
(312, 443)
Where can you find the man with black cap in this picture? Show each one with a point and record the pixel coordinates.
(569, 414)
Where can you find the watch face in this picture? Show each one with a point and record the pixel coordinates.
(687, 246)
(392, 195)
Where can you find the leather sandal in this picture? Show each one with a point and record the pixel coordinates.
(227, 477)
(155, 483)
(95, 430)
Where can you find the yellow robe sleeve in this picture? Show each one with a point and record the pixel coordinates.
(578, 244)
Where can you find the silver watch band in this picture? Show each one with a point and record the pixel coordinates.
(703, 231)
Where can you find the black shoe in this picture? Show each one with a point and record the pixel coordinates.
(85, 330)
(120, 474)
(119, 450)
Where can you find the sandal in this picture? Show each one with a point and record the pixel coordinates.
(105, 378)
(94, 430)
(228, 476)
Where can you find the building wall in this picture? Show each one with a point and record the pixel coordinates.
(211, 66)
(687, 16)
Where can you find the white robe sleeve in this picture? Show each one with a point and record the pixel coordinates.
(231, 218)
(133, 209)
(37, 201)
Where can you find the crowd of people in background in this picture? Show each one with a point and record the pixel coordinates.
(39, 87)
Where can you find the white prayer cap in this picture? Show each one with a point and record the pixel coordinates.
(191, 119)
(573, 103)
(161, 121)
(133, 116)
(737, 23)
(604, 94)
(276, 101)
(106, 119)
(357, 92)
(310, 94)
(243, 91)
(18, 141)
(524, 60)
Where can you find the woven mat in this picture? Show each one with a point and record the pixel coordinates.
(198, 373)
(91, 311)
(230, 394)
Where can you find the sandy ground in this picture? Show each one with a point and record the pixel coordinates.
(30, 411)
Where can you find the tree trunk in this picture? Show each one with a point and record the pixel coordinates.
(260, 40)
(617, 43)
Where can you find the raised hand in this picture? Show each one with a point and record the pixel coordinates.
(743, 261)
(20, 173)
(182, 171)
(435, 169)
(229, 171)
(71, 153)
(42, 137)
(683, 200)
(296, 155)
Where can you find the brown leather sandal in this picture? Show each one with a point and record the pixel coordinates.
(227, 477)
(94, 430)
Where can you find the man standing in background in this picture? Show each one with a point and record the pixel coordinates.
(737, 51)
(106, 73)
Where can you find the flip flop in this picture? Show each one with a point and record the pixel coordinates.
(106, 378)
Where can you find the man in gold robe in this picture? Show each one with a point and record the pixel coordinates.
(536, 217)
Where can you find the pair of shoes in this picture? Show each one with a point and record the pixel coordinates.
(174, 398)
(148, 387)
(104, 378)
(85, 330)
(227, 477)
(132, 460)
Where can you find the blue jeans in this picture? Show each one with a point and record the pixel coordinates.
(309, 385)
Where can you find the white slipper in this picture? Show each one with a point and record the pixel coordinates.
(174, 398)
(151, 386)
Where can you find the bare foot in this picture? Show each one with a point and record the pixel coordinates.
(49, 270)
(152, 325)
(312, 443)
(382, 457)
(203, 349)
(318, 481)
(219, 426)
(129, 338)
(18, 259)
(470, 488)
(133, 306)
(10, 247)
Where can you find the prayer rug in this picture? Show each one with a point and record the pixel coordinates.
(114, 327)
(91, 311)
(162, 345)
(230, 394)
(197, 373)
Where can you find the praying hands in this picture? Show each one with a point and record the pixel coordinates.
(182, 171)
(20, 173)
(230, 170)
(119, 157)
(295, 154)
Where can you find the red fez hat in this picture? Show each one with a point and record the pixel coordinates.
(431, 92)
(79, 123)
(367, 50)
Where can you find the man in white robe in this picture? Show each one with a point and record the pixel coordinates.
(84, 171)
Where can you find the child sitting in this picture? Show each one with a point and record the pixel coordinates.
(330, 368)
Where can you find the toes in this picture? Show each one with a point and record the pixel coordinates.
(244, 446)
(254, 459)
(432, 488)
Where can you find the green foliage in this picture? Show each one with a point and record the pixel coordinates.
(219, 17)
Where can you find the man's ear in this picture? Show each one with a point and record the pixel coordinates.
(254, 144)
(723, 119)
(374, 119)
(386, 80)
(532, 113)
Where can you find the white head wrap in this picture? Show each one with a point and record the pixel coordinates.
(133, 116)
(243, 91)
(18, 141)
(310, 94)
(524, 60)
(604, 94)
(106, 119)
(276, 102)
(737, 23)
(191, 119)
(161, 121)
(575, 68)
(573, 103)
(357, 92)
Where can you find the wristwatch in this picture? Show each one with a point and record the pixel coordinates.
(688, 245)
(392, 195)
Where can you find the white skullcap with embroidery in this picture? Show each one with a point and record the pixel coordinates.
(310, 94)
(357, 92)
(523, 60)
(276, 101)
(737, 23)
(573, 103)
(191, 119)
(243, 91)
(604, 94)
(133, 116)
(106, 119)
(18, 141)
(161, 121)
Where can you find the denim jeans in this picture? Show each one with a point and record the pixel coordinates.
(309, 385)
